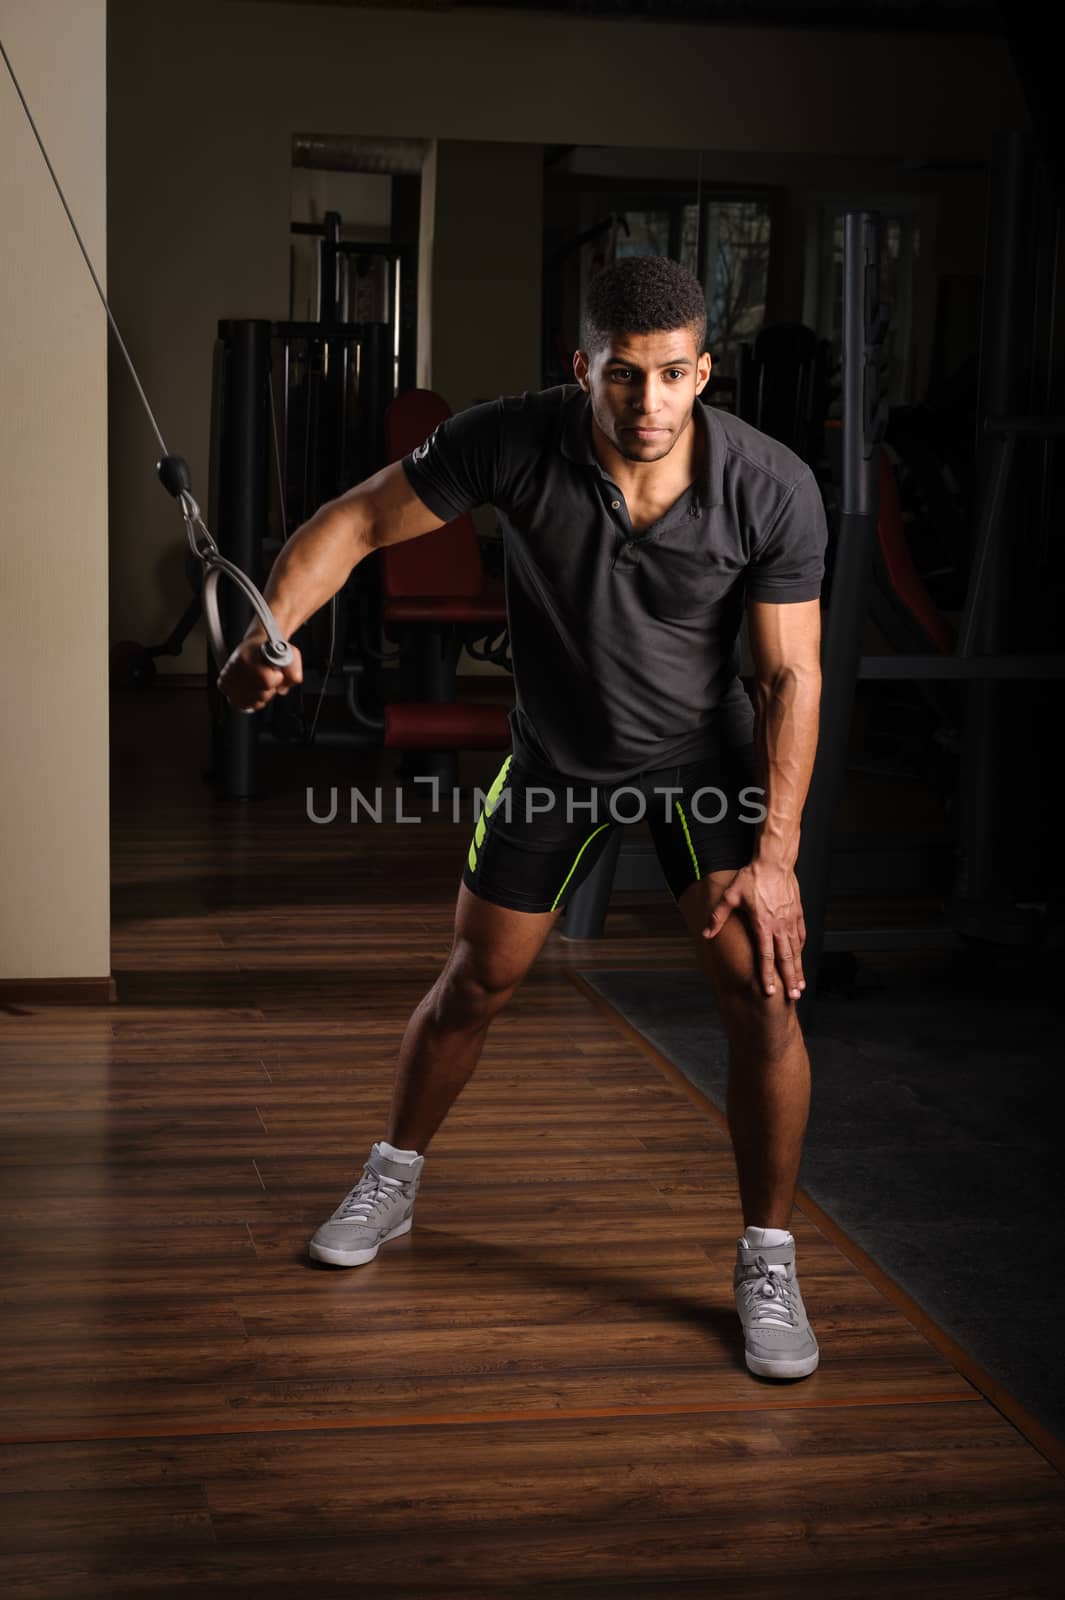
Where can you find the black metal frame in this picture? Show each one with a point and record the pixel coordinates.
(332, 249)
(242, 473)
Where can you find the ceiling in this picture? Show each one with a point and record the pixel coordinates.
(931, 16)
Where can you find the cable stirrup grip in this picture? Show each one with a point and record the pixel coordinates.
(275, 650)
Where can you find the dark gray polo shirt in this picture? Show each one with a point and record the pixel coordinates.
(624, 645)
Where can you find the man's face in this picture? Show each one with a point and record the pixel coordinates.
(643, 388)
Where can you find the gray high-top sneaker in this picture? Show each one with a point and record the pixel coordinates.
(379, 1208)
(779, 1340)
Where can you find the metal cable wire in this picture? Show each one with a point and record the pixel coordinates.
(276, 651)
(88, 259)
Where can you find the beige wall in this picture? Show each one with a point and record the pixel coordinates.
(199, 172)
(53, 549)
(426, 248)
(486, 274)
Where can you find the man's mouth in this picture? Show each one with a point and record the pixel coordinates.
(647, 433)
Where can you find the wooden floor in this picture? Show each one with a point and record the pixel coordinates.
(541, 1389)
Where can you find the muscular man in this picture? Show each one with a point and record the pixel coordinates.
(639, 525)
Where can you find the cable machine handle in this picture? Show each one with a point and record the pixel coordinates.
(275, 650)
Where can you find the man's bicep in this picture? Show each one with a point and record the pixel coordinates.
(389, 510)
(783, 635)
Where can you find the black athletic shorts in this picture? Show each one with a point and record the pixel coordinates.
(537, 838)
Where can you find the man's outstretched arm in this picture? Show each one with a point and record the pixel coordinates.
(785, 640)
(313, 564)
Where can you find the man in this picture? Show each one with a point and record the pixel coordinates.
(638, 524)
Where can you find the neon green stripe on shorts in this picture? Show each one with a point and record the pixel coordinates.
(491, 800)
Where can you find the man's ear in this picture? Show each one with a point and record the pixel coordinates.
(580, 368)
(702, 371)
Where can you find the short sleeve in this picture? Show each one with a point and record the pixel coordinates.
(457, 467)
(789, 562)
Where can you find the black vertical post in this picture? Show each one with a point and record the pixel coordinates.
(407, 314)
(377, 362)
(242, 510)
(864, 420)
(328, 270)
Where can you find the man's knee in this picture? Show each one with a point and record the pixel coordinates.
(469, 994)
(759, 1026)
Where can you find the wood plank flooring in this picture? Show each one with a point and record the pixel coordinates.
(541, 1389)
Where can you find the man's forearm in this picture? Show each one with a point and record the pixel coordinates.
(786, 721)
(312, 565)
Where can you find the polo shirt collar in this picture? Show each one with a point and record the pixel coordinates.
(576, 442)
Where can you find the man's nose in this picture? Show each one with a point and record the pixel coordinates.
(647, 399)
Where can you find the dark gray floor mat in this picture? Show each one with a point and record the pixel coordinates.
(933, 1142)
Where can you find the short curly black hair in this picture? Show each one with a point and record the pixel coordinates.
(642, 294)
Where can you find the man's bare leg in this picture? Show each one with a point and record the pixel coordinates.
(769, 1071)
(492, 950)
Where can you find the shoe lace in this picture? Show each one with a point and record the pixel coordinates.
(374, 1189)
(768, 1296)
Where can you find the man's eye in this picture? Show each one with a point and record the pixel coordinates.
(621, 372)
(676, 372)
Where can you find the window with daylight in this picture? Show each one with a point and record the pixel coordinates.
(728, 248)
(726, 244)
(602, 205)
(648, 234)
